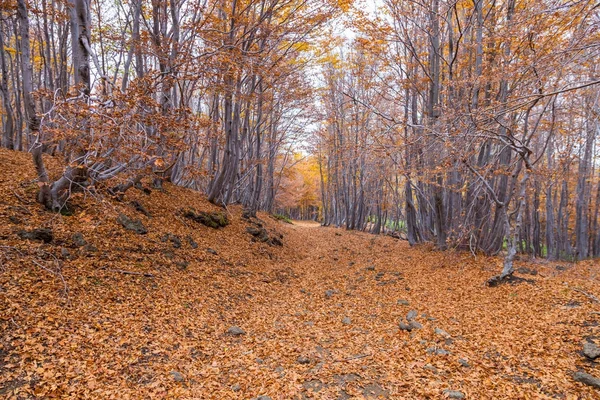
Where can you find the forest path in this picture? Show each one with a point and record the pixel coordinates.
(190, 312)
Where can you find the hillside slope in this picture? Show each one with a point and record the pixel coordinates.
(189, 311)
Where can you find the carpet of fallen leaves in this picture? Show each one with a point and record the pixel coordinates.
(130, 316)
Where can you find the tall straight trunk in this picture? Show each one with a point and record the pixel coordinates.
(9, 126)
(33, 120)
(583, 195)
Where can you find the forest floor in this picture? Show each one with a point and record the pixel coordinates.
(187, 311)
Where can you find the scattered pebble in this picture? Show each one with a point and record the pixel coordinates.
(591, 351)
(236, 331)
(442, 333)
(303, 360)
(454, 394)
(464, 363)
(412, 314)
(177, 376)
(587, 379)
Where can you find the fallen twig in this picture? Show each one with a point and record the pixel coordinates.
(586, 294)
(21, 199)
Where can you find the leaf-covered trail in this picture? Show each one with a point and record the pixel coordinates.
(320, 315)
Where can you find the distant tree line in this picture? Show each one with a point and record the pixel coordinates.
(467, 124)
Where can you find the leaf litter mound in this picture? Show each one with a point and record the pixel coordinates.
(191, 311)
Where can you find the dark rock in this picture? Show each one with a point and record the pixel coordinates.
(587, 379)
(213, 220)
(177, 376)
(412, 314)
(263, 398)
(329, 293)
(182, 265)
(65, 253)
(561, 268)
(403, 302)
(276, 241)
(134, 225)
(15, 220)
(379, 276)
(370, 268)
(303, 360)
(236, 388)
(260, 234)
(211, 251)
(41, 234)
(236, 331)
(174, 239)
(90, 248)
(78, 240)
(464, 363)
(591, 351)
(346, 321)
(454, 394)
(191, 242)
(139, 207)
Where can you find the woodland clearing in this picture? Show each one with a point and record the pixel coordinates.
(187, 311)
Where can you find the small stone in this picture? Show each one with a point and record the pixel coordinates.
(587, 379)
(78, 240)
(346, 321)
(329, 293)
(591, 351)
(90, 248)
(412, 314)
(454, 394)
(211, 251)
(303, 360)
(379, 276)
(236, 331)
(177, 376)
(263, 398)
(442, 333)
(236, 388)
(370, 268)
(464, 363)
(405, 327)
(415, 325)
(41, 234)
(134, 225)
(260, 361)
(431, 368)
(438, 351)
(65, 253)
(403, 302)
(279, 370)
(192, 242)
